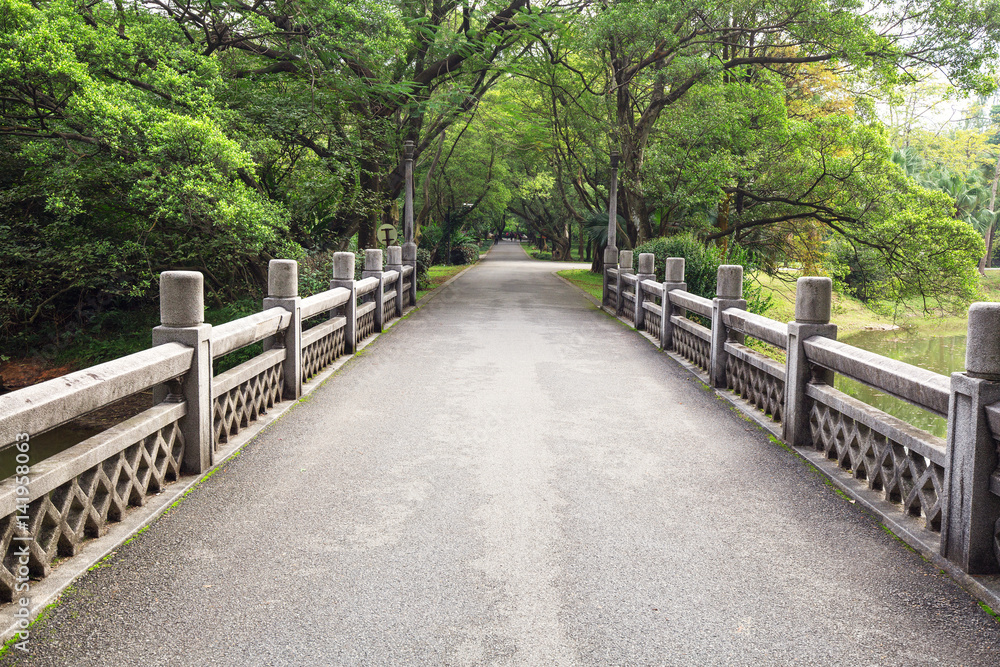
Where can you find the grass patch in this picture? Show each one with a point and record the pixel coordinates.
(591, 283)
(852, 316)
(438, 275)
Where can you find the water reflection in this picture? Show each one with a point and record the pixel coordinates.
(941, 354)
(43, 446)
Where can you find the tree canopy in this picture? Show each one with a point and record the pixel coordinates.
(143, 135)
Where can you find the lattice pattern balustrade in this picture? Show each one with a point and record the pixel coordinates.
(237, 408)
(651, 323)
(626, 306)
(762, 389)
(388, 309)
(366, 325)
(61, 520)
(692, 348)
(897, 473)
(320, 354)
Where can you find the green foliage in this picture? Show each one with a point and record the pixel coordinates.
(467, 253)
(424, 261)
(701, 267)
(701, 262)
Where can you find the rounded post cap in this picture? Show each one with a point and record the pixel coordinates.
(729, 282)
(646, 262)
(674, 272)
(394, 255)
(813, 298)
(982, 351)
(343, 266)
(625, 259)
(182, 298)
(282, 278)
(408, 149)
(373, 259)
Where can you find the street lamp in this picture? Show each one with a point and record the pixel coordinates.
(613, 211)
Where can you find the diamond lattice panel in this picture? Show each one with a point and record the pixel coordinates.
(60, 521)
(366, 325)
(322, 353)
(897, 474)
(763, 390)
(245, 403)
(691, 347)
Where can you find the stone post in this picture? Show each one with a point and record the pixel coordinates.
(395, 263)
(283, 292)
(409, 247)
(646, 272)
(674, 279)
(728, 294)
(182, 320)
(373, 269)
(971, 524)
(343, 276)
(813, 297)
(611, 250)
(624, 267)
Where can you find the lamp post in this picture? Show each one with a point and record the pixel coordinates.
(409, 247)
(611, 251)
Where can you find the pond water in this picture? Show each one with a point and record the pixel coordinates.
(43, 446)
(941, 354)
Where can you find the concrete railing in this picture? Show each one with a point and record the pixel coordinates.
(53, 506)
(941, 496)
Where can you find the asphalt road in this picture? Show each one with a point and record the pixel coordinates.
(512, 477)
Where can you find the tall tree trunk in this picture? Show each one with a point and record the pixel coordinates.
(989, 232)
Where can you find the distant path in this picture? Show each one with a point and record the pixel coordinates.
(510, 476)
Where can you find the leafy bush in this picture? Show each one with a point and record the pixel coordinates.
(701, 262)
(701, 267)
(315, 272)
(423, 267)
(467, 253)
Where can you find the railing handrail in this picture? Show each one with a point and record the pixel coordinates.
(757, 326)
(652, 287)
(919, 386)
(692, 302)
(366, 285)
(248, 330)
(323, 301)
(46, 405)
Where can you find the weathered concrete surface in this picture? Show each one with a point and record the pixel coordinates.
(548, 489)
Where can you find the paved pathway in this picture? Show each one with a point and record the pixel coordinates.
(511, 477)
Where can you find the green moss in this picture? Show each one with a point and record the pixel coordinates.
(985, 607)
(37, 621)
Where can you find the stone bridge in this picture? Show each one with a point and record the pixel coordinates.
(508, 474)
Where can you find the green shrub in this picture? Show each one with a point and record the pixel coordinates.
(701, 266)
(315, 272)
(467, 253)
(701, 262)
(424, 259)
